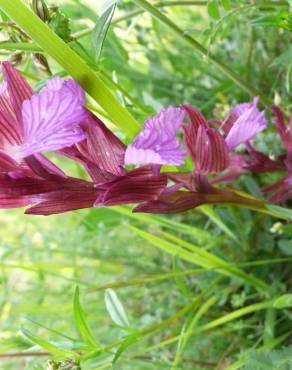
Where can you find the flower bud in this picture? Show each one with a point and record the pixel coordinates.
(41, 9)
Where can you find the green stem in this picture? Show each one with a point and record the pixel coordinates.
(71, 62)
(153, 328)
(217, 322)
(134, 13)
(164, 4)
(203, 51)
(21, 46)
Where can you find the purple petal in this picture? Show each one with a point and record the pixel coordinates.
(63, 201)
(180, 201)
(210, 151)
(14, 202)
(102, 147)
(248, 122)
(157, 143)
(130, 189)
(56, 83)
(282, 190)
(3, 87)
(9, 134)
(51, 121)
(42, 167)
(283, 130)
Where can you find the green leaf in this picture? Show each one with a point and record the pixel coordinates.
(80, 322)
(214, 217)
(199, 257)
(278, 211)
(126, 344)
(226, 4)
(199, 234)
(59, 23)
(115, 308)
(56, 351)
(283, 301)
(71, 62)
(213, 9)
(102, 26)
(180, 279)
(286, 246)
(280, 20)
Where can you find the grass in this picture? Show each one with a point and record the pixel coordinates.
(209, 288)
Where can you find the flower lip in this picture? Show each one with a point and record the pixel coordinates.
(244, 123)
(157, 142)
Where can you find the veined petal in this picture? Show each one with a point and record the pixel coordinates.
(63, 201)
(196, 120)
(211, 151)
(44, 168)
(219, 151)
(157, 143)
(183, 200)
(51, 121)
(135, 189)
(9, 133)
(56, 83)
(14, 202)
(249, 122)
(180, 201)
(102, 147)
(18, 89)
(285, 131)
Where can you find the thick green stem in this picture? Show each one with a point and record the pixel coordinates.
(203, 51)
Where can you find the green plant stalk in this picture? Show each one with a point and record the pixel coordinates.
(217, 322)
(201, 258)
(102, 75)
(203, 51)
(71, 62)
(186, 335)
(199, 234)
(153, 328)
(164, 4)
(147, 279)
(134, 13)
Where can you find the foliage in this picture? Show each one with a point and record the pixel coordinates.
(191, 291)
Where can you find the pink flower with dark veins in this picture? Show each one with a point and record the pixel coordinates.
(157, 143)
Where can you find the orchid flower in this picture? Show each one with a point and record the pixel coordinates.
(211, 153)
(244, 122)
(56, 120)
(35, 123)
(157, 142)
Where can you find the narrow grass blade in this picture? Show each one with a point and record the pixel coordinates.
(53, 349)
(199, 234)
(201, 258)
(212, 215)
(187, 333)
(102, 26)
(80, 322)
